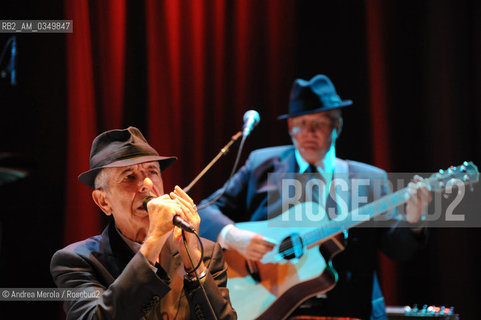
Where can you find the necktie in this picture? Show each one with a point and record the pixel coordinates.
(312, 169)
(312, 173)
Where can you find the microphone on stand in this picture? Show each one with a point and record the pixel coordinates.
(251, 119)
(176, 220)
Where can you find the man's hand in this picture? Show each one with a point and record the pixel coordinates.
(188, 214)
(418, 203)
(251, 245)
(161, 212)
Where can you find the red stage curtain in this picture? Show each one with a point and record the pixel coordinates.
(201, 59)
(379, 120)
(87, 79)
(80, 219)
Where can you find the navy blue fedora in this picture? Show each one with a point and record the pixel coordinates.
(315, 95)
(120, 148)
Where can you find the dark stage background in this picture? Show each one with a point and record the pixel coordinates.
(184, 72)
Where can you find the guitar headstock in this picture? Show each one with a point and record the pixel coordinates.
(467, 174)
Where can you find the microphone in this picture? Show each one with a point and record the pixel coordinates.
(251, 119)
(176, 220)
(13, 72)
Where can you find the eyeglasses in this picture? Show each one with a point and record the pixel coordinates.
(299, 125)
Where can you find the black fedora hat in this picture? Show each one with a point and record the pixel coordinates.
(315, 95)
(120, 148)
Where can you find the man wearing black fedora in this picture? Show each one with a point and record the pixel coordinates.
(314, 121)
(138, 268)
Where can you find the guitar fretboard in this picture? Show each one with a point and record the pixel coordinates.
(357, 216)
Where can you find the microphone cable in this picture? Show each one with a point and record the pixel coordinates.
(196, 267)
(188, 253)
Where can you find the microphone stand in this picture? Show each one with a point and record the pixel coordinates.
(222, 152)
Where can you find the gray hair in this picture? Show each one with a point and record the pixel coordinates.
(102, 179)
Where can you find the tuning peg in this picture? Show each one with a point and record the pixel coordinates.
(451, 170)
(466, 181)
(442, 187)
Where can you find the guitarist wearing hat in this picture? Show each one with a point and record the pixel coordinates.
(315, 122)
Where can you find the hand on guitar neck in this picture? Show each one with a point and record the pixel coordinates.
(249, 244)
(417, 205)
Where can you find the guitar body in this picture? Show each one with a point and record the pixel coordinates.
(280, 285)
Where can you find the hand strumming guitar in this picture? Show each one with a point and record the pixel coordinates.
(251, 245)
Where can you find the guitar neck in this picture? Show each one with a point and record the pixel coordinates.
(356, 216)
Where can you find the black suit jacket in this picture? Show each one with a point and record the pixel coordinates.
(127, 287)
(357, 293)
